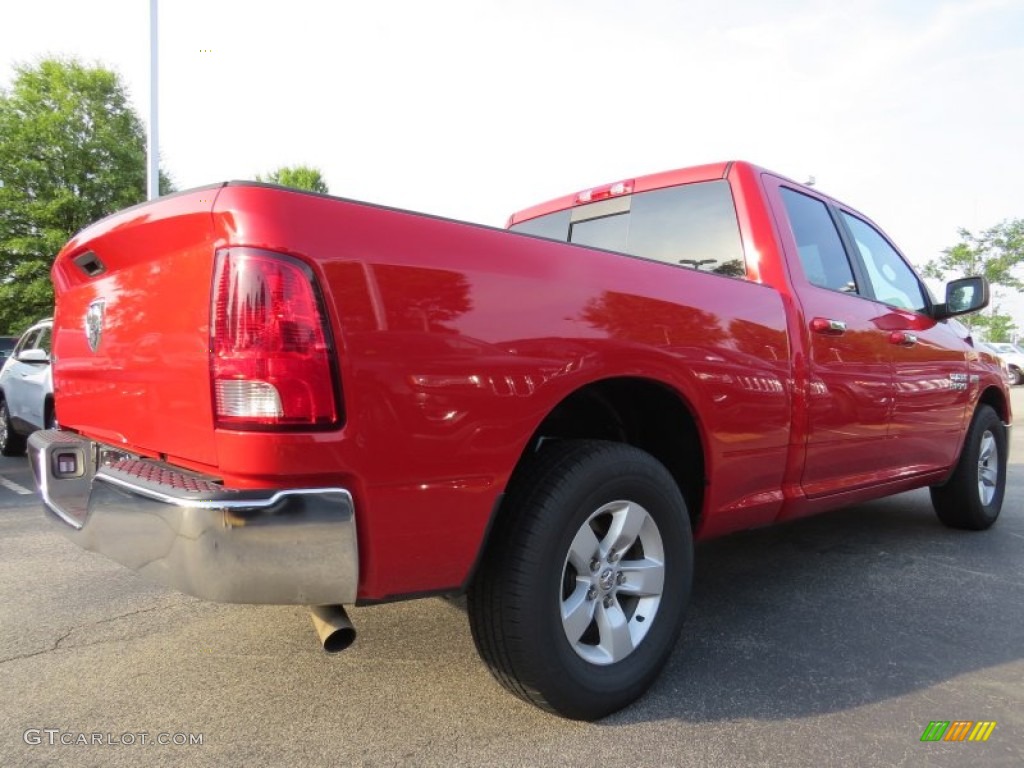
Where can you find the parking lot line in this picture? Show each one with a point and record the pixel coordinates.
(13, 486)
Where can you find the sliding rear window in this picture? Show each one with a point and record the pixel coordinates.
(692, 225)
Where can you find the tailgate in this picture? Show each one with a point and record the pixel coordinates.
(131, 328)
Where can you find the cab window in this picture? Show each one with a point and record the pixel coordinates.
(820, 248)
(892, 280)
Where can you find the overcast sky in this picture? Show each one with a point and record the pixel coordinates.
(909, 110)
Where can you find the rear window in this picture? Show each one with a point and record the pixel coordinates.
(1009, 349)
(554, 226)
(692, 225)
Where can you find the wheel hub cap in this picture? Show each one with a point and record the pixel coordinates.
(988, 468)
(612, 582)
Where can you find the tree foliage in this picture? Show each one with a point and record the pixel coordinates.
(297, 177)
(72, 151)
(998, 254)
(998, 327)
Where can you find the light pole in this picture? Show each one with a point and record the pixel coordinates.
(153, 147)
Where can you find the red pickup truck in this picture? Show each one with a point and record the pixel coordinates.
(270, 396)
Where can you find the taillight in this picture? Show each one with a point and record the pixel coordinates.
(271, 358)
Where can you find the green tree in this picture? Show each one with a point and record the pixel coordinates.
(999, 327)
(997, 253)
(297, 177)
(72, 151)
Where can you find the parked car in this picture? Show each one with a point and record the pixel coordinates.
(7, 346)
(26, 389)
(1014, 358)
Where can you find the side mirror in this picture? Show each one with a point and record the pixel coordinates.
(34, 356)
(968, 294)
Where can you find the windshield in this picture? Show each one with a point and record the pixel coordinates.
(1006, 348)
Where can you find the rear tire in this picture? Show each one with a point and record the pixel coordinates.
(1016, 377)
(11, 443)
(580, 598)
(973, 496)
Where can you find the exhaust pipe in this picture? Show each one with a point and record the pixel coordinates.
(333, 626)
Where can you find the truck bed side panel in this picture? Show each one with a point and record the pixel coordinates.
(457, 340)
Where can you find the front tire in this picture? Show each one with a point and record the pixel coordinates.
(11, 443)
(973, 496)
(580, 598)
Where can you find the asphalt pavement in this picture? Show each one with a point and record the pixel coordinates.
(832, 641)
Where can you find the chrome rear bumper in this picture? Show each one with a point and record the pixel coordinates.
(185, 531)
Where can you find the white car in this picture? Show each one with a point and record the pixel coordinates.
(26, 389)
(1014, 357)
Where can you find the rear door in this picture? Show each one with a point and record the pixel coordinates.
(850, 384)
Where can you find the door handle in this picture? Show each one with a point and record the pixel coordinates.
(828, 326)
(903, 338)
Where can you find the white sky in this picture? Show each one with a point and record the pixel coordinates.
(909, 110)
